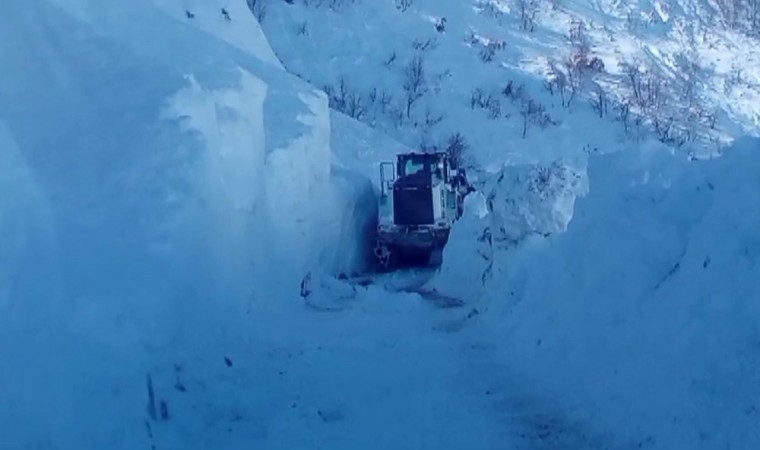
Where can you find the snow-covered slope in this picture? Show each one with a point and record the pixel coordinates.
(239, 27)
(501, 75)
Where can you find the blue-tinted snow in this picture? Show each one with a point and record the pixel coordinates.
(133, 243)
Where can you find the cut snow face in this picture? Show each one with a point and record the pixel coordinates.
(272, 177)
(154, 180)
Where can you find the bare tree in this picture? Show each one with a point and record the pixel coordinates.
(624, 114)
(689, 76)
(579, 68)
(733, 79)
(456, 147)
(528, 10)
(385, 100)
(598, 101)
(653, 92)
(558, 83)
(415, 83)
(633, 74)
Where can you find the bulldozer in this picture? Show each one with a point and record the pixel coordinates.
(421, 196)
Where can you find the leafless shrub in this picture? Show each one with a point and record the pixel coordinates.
(431, 119)
(343, 99)
(489, 102)
(428, 44)
(534, 113)
(514, 91)
(471, 38)
(390, 60)
(403, 5)
(488, 51)
(302, 29)
(667, 132)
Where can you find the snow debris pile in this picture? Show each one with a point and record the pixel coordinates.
(643, 315)
(515, 204)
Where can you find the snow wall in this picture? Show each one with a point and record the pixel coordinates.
(643, 317)
(156, 185)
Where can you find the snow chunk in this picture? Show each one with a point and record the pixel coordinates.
(518, 202)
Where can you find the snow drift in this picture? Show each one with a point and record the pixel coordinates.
(643, 315)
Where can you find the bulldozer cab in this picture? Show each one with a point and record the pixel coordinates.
(435, 166)
(421, 195)
(425, 188)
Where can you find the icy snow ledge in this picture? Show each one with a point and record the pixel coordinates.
(643, 315)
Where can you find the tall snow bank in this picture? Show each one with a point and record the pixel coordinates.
(645, 315)
(156, 184)
(157, 72)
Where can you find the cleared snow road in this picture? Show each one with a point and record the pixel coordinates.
(390, 371)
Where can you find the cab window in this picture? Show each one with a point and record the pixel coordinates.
(411, 166)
